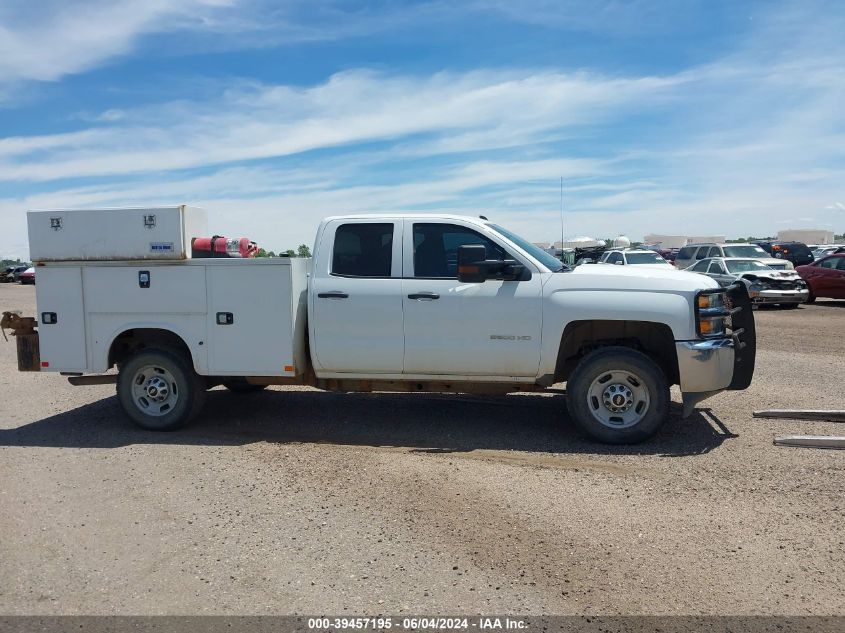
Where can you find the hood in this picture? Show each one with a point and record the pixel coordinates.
(634, 277)
(773, 261)
(773, 274)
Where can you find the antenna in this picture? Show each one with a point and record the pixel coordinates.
(561, 214)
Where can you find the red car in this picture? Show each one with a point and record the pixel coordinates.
(825, 277)
(27, 276)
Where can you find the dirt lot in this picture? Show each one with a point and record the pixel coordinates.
(299, 501)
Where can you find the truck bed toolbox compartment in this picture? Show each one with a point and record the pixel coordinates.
(114, 234)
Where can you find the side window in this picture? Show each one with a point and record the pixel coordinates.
(715, 251)
(614, 257)
(702, 252)
(840, 263)
(830, 262)
(716, 268)
(363, 250)
(701, 266)
(686, 252)
(436, 249)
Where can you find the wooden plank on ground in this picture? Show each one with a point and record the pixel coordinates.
(811, 441)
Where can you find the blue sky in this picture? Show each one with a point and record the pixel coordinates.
(680, 116)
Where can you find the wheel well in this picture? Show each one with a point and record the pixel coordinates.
(132, 341)
(655, 340)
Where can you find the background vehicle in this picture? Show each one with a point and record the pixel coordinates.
(693, 253)
(765, 285)
(824, 251)
(388, 303)
(27, 276)
(796, 252)
(825, 277)
(641, 258)
(7, 275)
(18, 270)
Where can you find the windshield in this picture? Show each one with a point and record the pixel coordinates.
(746, 250)
(746, 265)
(549, 261)
(645, 258)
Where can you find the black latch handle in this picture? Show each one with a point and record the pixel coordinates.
(225, 318)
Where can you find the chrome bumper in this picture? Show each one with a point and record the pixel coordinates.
(705, 368)
(781, 296)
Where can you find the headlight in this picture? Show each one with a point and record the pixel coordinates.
(712, 316)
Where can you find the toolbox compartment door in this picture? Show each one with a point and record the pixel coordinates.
(250, 319)
(61, 319)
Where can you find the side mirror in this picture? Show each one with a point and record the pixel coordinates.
(618, 262)
(471, 263)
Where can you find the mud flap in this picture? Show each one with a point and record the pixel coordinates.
(744, 336)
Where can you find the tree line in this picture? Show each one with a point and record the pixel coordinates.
(301, 251)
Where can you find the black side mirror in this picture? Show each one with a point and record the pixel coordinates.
(471, 263)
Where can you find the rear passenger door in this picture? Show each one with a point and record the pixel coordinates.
(356, 298)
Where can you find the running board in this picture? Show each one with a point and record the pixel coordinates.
(84, 381)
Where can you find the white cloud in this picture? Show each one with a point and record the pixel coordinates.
(351, 107)
(61, 38)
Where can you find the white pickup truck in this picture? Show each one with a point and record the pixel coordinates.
(387, 303)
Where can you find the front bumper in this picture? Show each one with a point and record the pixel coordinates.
(782, 296)
(705, 366)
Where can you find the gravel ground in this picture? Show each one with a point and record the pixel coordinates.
(296, 501)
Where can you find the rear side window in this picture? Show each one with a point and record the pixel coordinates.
(716, 268)
(840, 263)
(686, 252)
(363, 250)
(701, 266)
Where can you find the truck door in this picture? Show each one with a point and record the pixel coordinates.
(482, 329)
(355, 298)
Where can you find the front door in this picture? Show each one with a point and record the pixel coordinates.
(356, 300)
(481, 329)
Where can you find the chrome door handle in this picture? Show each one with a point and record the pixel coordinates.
(332, 295)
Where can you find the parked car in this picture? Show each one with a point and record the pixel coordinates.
(796, 252)
(18, 271)
(765, 284)
(640, 258)
(824, 251)
(825, 277)
(27, 276)
(693, 253)
(7, 275)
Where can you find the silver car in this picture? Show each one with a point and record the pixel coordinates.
(693, 253)
(765, 285)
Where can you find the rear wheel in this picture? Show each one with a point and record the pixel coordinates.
(159, 390)
(618, 395)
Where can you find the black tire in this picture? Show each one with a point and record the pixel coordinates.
(181, 379)
(649, 379)
(811, 298)
(239, 385)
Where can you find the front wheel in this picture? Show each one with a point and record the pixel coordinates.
(618, 395)
(159, 390)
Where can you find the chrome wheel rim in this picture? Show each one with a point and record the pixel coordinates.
(618, 399)
(154, 390)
